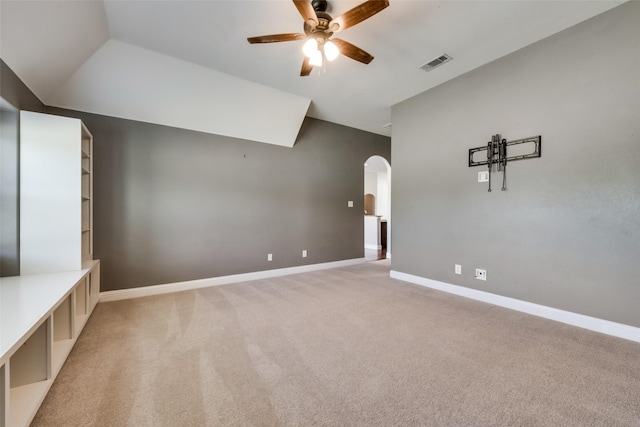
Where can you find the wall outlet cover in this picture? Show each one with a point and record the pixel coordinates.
(458, 269)
(350, 204)
(483, 176)
(304, 253)
(269, 257)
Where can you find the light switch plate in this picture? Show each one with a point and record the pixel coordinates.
(458, 269)
(483, 176)
(350, 204)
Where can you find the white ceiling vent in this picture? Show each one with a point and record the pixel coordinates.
(435, 62)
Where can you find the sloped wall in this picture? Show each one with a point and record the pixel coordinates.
(126, 81)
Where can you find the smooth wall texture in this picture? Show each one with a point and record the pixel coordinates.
(566, 234)
(122, 80)
(174, 205)
(15, 95)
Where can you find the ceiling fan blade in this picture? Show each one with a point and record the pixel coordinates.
(353, 52)
(357, 14)
(306, 67)
(273, 38)
(308, 13)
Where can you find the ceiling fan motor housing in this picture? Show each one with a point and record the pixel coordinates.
(321, 30)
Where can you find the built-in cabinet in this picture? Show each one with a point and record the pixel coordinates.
(56, 193)
(43, 311)
(41, 318)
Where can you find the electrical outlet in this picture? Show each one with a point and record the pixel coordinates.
(350, 204)
(458, 269)
(481, 274)
(269, 257)
(304, 253)
(483, 176)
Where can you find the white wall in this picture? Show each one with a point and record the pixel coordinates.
(377, 183)
(371, 184)
(126, 81)
(382, 199)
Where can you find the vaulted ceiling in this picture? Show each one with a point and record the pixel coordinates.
(188, 63)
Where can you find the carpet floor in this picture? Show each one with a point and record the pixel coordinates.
(341, 347)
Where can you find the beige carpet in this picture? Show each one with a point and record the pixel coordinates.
(348, 346)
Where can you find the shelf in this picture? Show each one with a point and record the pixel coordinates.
(59, 353)
(41, 317)
(81, 319)
(43, 311)
(85, 245)
(25, 401)
(85, 144)
(62, 325)
(81, 298)
(93, 266)
(85, 215)
(94, 288)
(26, 302)
(51, 173)
(30, 362)
(86, 184)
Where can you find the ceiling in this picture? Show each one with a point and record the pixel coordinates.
(47, 43)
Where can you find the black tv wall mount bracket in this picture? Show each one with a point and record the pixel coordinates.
(496, 154)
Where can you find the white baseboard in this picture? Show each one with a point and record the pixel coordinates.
(223, 280)
(619, 330)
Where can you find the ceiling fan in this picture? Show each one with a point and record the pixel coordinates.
(319, 26)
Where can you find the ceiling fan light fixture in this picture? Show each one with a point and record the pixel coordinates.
(316, 59)
(310, 47)
(331, 51)
(319, 26)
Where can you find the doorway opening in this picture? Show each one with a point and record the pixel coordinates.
(377, 209)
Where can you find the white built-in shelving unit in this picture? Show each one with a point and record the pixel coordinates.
(43, 311)
(56, 193)
(41, 318)
(86, 247)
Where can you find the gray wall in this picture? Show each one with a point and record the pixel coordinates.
(566, 234)
(174, 205)
(14, 96)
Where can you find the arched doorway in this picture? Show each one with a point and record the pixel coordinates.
(377, 202)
